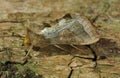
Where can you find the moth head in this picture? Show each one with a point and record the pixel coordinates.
(26, 41)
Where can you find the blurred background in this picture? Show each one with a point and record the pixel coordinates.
(52, 62)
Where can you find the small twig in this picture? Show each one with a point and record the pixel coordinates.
(13, 62)
(17, 35)
(10, 21)
(82, 57)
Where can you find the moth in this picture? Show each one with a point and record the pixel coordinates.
(71, 29)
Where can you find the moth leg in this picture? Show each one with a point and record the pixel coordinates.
(94, 54)
(61, 48)
(28, 53)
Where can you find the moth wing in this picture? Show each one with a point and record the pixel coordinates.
(76, 31)
(76, 34)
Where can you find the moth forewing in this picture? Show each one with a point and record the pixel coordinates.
(76, 31)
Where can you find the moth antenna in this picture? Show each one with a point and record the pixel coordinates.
(26, 25)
